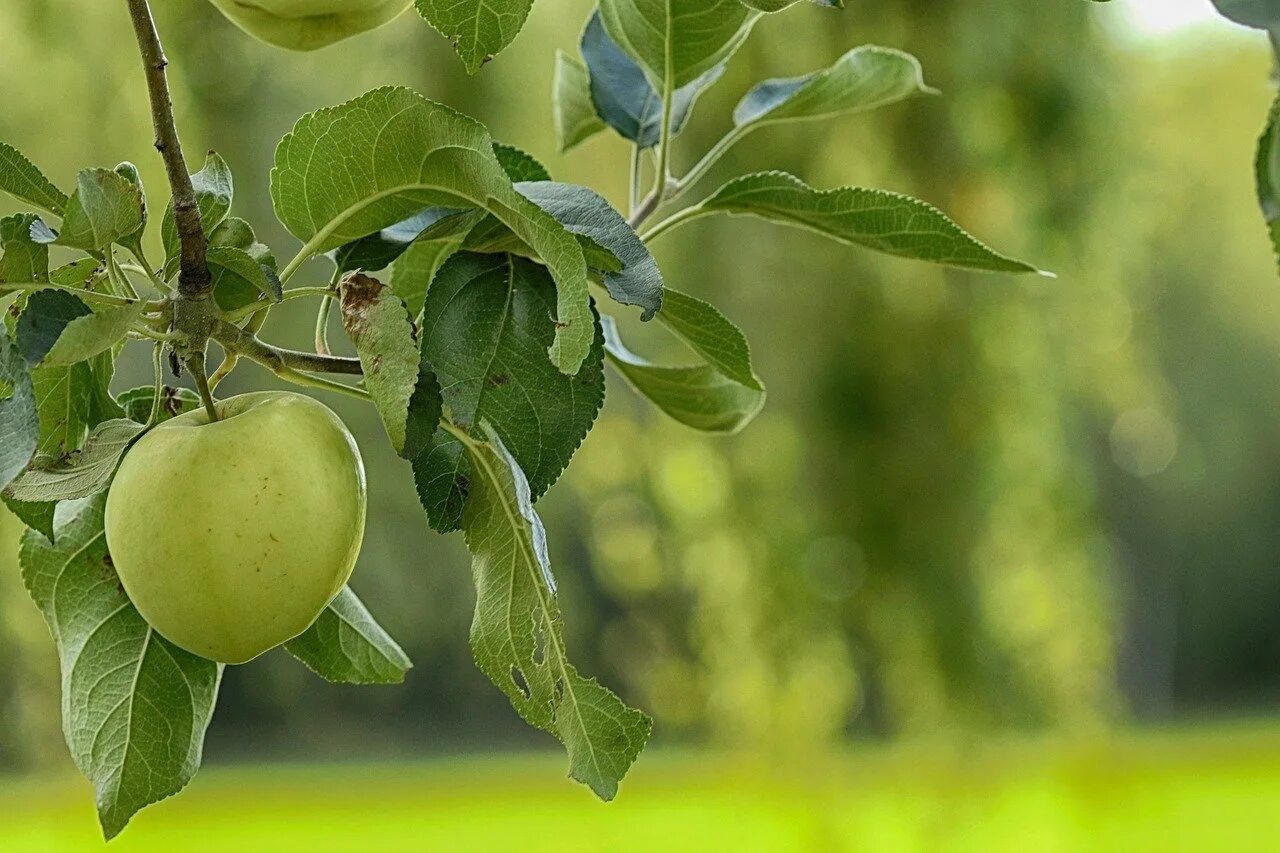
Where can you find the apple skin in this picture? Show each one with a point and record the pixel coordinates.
(231, 538)
(309, 24)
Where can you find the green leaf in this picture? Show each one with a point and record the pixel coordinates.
(1267, 169)
(81, 474)
(485, 329)
(130, 173)
(240, 279)
(346, 645)
(104, 209)
(36, 516)
(519, 165)
(46, 316)
(19, 421)
(575, 116)
(215, 190)
(137, 403)
(874, 219)
(71, 400)
(517, 636)
(135, 707)
(1259, 14)
(863, 79)
(699, 396)
(377, 251)
(677, 41)
(22, 259)
(235, 233)
(711, 335)
(479, 31)
(623, 95)
(24, 181)
(352, 170)
(417, 267)
(87, 336)
(82, 272)
(382, 329)
(582, 211)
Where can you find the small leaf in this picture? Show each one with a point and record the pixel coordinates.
(239, 279)
(36, 516)
(81, 474)
(479, 31)
(1267, 172)
(863, 79)
(104, 209)
(24, 181)
(711, 335)
(346, 645)
(83, 272)
(698, 396)
(519, 165)
(215, 191)
(137, 403)
(135, 707)
(236, 233)
(22, 259)
(349, 171)
(623, 95)
(677, 40)
(582, 211)
(517, 635)
(575, 115)
(87, 336)
(485, 330)
(42, 322)
(19, 421)
(379, 324)
(883, 221)
(130, 173)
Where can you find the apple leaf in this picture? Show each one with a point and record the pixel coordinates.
(863, 79)
(1267, 171)
(575, 116)
(518, 164)
(417, 267)
(377, 251)
(485, 328)
(346, 645)
(711, 335)
(517, 636)
(215, 191)
(37, 516)
(1259, 14)
(582, 211)
(138, 402)
(352, 170)
(82, 272)
(379, 324)
(22, 259)
(135, 707)
(80, 474)
(71, 400)
(87, 336)
(43, 320)
(104, 209)
(479, 31)
(882, 221)
(699, 396)
(623, 95)
(677, 42)
(19, 421)
(21, 179)
(240, 279)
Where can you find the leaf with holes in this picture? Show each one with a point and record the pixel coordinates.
(349, 171)
(485, 328)
(134, 707)
(346, 645)
(81, 474)
(517, 635)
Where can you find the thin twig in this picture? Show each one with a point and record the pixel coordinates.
(240, 342)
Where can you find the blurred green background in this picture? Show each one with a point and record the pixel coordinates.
(996, 568)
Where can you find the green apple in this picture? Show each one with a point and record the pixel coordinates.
(232, 537)
(309, 24)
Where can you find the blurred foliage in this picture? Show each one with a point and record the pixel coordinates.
(970, 502)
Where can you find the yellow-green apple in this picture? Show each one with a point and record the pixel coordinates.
(309, 24)
(232, 537)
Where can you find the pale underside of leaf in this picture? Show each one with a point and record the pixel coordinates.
(346, 645)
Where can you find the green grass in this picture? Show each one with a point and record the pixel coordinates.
(1162, 791)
